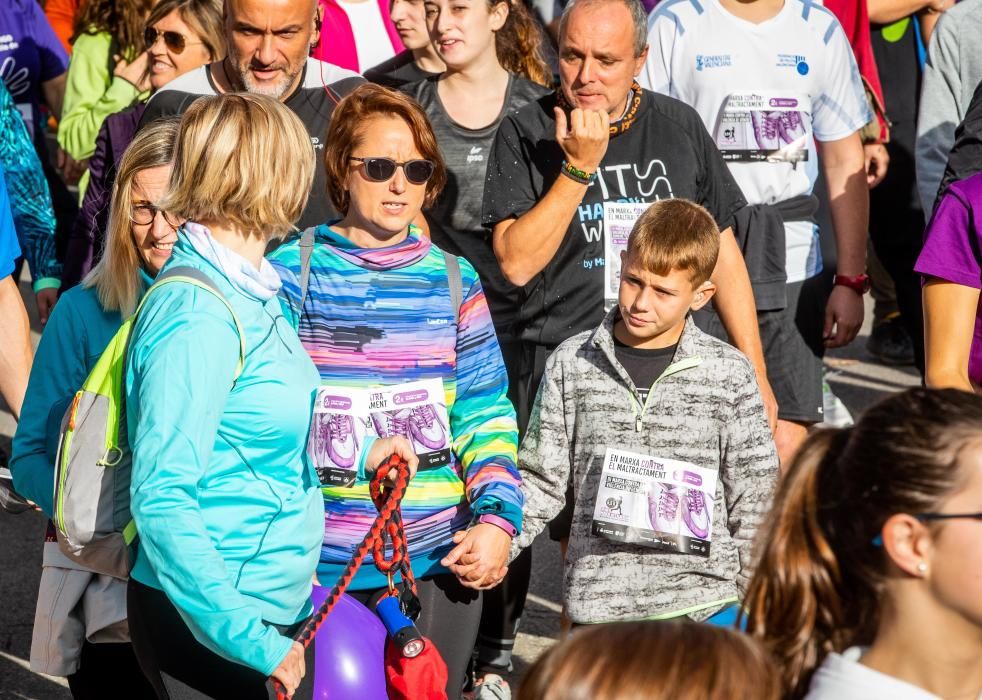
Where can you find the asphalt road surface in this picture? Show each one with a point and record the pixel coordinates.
(851, 375)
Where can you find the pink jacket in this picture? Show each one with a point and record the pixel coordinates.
(337, 43)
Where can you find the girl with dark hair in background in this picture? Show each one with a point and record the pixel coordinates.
(869, 571)
(492, 51)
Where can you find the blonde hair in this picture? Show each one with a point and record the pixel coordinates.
(116, 276)
(664, 660)
(675, 234)
(242, 159)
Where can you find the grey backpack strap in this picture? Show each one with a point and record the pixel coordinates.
(455, 282)
(192, 272)
(194, 275)
(306, 253)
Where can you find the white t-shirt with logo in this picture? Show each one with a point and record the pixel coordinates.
(766, 93)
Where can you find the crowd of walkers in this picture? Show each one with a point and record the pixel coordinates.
(576, 263)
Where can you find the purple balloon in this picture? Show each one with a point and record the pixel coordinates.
(349, 651)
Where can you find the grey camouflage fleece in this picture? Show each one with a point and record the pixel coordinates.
(704, 409)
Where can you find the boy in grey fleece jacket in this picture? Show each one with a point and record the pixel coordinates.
(682, 410)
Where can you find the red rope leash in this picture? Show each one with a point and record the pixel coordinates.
(388, 522)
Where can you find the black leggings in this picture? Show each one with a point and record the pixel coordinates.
(181, 668)
(450, 617)
(109, 670)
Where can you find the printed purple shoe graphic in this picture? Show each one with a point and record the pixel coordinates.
(790, 126)
(338, 434)
(663, 509)
(426, 427)
(766, 130)
(389, 423)
(695, 514)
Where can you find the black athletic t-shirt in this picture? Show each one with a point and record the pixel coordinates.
(666, 153)
(399, 70)
(896, 54)
(321, 87)
(455, 219)
(643, 365)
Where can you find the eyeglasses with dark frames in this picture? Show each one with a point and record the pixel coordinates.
(144, 214)
(417, 171)
(930, 517)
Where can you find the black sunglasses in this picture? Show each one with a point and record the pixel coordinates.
(175, 41)
(382, 169)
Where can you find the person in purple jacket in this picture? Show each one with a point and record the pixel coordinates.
(951, 266)
(181, 35)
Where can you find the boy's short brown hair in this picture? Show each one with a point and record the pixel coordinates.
(675, 234)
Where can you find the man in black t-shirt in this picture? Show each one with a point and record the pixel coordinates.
(420, 59)
(268, 45)
(561, 161)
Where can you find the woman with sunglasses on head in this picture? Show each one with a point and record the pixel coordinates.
(869, 573)
(180, 35)
(381, 311)
(80, 628)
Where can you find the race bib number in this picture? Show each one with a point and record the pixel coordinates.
(763, 128)
(343, 417)
(337, 432)
(619, 219)
(659, 503)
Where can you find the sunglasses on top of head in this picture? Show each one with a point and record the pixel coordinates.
(175, 41)
(417, 171)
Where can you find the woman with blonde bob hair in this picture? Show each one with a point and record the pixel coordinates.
(90, 644)
(219, 394)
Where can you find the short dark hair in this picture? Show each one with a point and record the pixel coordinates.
(675, 234)
(346, 128)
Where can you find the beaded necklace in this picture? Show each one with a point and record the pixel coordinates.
(622, 124)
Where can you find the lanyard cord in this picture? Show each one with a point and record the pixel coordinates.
(388, 522)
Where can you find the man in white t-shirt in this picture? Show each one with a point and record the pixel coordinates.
(776, 85)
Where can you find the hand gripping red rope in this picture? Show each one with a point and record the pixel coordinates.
(388, 522)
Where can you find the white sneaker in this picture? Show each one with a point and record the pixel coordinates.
(492, 687)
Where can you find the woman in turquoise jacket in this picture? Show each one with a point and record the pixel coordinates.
(90, 644)
(219, 394)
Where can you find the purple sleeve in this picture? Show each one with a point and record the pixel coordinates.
(88, 232)
(951, 244)
(51, 54)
